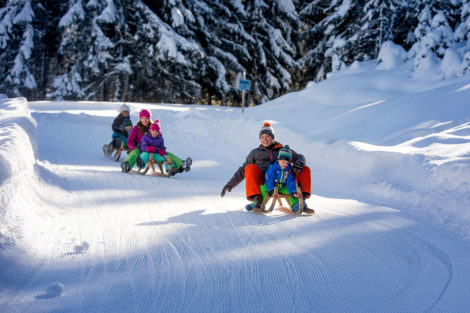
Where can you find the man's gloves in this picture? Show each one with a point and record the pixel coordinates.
(270, 193)
(226, 188)
(298, 165)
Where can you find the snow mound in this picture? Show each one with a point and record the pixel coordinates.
(81, 248)
(17, 158)
(391, 56)
(52, 291)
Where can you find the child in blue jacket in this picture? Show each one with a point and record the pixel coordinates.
(279, 174)
(127, 127)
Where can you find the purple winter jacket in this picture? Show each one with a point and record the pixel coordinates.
(152, 144)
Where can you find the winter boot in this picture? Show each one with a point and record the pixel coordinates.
(258, 202)
(295, 209)
(174, 171)
(107, 150)
(140, 163)
(255, 205)
(125, 167)
(307, 210)
(187, 164)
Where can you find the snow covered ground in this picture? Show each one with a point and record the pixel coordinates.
(389, 156)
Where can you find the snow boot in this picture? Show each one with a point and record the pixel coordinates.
(140, 163)
(258, 202)
(309, 211)
(255, 205)
(295, 209)
(125, 167)
(107, 150)
(187, 164)
(174, 171)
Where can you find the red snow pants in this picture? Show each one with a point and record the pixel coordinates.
(255, 178)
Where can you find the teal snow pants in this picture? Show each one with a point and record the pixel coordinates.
(176, 161)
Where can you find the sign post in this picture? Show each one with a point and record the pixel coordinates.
(243, 85)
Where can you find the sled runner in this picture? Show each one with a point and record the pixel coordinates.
(117, 155)
(151, 165)
(108, 152)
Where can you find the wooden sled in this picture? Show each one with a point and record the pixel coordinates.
(117, 153)
(277, 198)
(151, 165)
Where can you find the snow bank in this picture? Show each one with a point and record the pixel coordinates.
(391, 56)
(17, 159)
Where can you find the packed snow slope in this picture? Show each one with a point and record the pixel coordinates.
(389, 156)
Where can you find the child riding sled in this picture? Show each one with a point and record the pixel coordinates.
(148, 144)
(257, 163)
(280, 175)
(119, 132)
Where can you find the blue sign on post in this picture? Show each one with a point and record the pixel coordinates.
(244, 84)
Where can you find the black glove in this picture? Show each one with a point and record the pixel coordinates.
(225, 189)
(270, 193)
(125, 134)
(298, 165)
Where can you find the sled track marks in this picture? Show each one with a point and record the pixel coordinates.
(160, 250)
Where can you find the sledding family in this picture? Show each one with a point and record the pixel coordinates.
(141, 141)
(268, 166)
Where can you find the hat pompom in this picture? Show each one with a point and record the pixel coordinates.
(266, 124)
(155, 126)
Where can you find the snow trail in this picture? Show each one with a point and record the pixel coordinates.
(128, 243)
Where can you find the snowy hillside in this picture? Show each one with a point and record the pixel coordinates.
(389, 156)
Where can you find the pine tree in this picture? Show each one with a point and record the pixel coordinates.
(433, 34)
(164, 60)
(275, 49)
(462, 35)
(93, 52)
(331, 37)
(17, 38)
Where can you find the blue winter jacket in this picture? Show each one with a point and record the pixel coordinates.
(275, 176)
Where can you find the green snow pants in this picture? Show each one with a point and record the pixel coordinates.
(132, 157)
(283, 190)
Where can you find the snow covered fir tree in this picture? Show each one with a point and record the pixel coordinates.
(192, 51)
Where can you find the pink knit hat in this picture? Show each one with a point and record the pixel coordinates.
(145, 113)
(155, 126)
